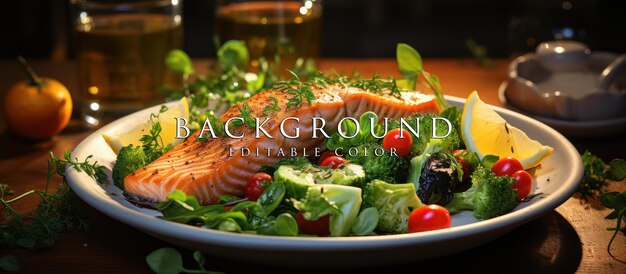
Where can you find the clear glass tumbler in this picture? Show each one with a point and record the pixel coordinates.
(120, 52)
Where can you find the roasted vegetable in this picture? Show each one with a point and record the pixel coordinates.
(489, 196)
(439, 176)
(394, 203)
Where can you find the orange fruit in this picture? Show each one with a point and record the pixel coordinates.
(38, 110)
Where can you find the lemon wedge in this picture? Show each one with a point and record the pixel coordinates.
(168, 128)
(485, 132)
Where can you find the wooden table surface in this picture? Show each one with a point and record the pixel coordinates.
(571, 238)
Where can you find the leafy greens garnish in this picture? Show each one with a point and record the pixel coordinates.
(56, 213)
(168, 260)
(410, 65)
(301, 91)
(152, 143)
(617, 202)
(248, 118)
(598, 173)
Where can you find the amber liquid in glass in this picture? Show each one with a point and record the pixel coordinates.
(270, 28)
(121, 61)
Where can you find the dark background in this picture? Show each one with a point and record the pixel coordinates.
(363, 28)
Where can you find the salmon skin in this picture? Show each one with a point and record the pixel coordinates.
(207, 170)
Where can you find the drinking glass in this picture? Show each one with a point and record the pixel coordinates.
(285, 29)
(120, 52)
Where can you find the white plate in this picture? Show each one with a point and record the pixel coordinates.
(583, 129)
(557, 179)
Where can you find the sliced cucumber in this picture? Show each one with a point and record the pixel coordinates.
(347, 175)
(296, 181)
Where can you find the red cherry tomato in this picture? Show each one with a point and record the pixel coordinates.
(254, 187)
(523, 183)
(227, 207)
(429, 217)
(326, 154)
(333, 161)
(506, 166)
(319, 227)
(402, 145)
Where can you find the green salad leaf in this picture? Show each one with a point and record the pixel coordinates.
(366, 222)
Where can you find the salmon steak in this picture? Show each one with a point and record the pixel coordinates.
(208, 169)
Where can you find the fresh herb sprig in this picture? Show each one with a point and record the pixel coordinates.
(410, 65)
(273, 107)
(617, 202)
(152, 143)
(597, 174)
(246, 114)
(227, 81)
(301, 90)
(56, 213)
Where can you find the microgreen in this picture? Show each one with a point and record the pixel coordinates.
(410, 65)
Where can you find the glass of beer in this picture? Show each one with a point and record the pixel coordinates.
(120, 52)
(288, 29)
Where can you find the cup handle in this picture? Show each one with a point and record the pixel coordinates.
(610, 72)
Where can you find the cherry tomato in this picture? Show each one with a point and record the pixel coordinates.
(319, 227)
(228, 207)
(326, 154)
(254, 187)
(333, 161)
(506, 166)
(523, 183)
(429, 217)
(402, 145)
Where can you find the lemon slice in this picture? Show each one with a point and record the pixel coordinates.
(485, 132)
(168, 128)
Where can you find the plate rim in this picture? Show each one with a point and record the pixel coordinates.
(184, 232)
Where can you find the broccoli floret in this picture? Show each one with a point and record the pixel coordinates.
(129, 159)
(425, 130)
(386, 167)
(394, 203)
(489, 196)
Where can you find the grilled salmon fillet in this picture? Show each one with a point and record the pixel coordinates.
(207, 169)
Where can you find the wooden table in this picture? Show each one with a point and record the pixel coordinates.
(571, 238)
